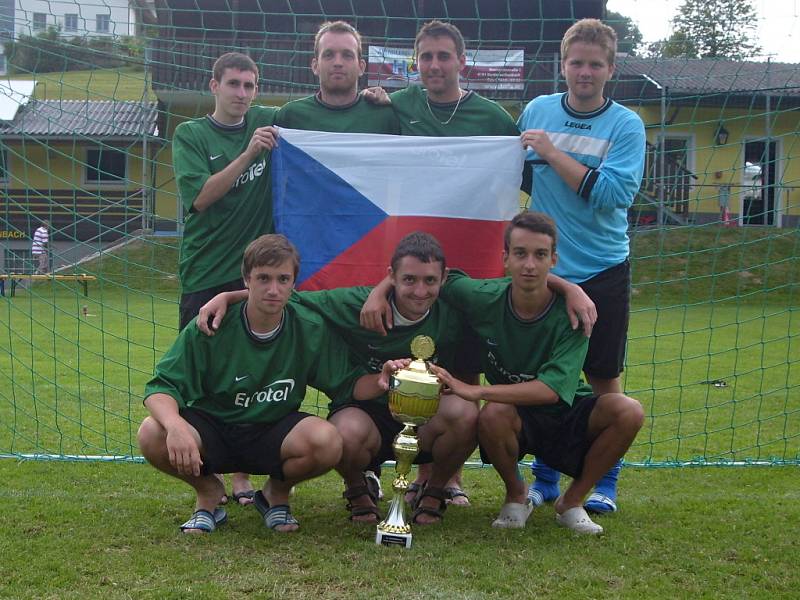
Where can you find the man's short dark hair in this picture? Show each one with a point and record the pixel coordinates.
(233, 60)
(336, 27)
(269, 250)
(441, 29)
(422, 246)
(532, 221)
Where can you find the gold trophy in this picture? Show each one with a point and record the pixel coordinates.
(414, 394)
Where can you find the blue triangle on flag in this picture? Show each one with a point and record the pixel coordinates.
(317, 210)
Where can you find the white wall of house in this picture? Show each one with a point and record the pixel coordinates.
(74, 17)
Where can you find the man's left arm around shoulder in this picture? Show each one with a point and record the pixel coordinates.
(580, 308)
(526, 393)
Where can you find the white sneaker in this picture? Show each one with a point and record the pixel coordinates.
(578, 520)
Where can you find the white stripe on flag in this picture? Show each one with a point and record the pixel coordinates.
(455, 177)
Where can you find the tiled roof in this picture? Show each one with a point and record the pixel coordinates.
(710, 76)
(94, 119)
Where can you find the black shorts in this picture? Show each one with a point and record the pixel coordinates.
(192, 302)
(241, 447)
(557, 439)
(388, 429)
(611, 293)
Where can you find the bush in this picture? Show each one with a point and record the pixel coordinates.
(48, 52)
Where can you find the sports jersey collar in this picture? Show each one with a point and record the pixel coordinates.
(584, 115)
(321, 102)
(224, 127)
(400, 321)
(536, 319)
(251, 335)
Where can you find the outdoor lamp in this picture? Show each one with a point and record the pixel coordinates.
(721, 136)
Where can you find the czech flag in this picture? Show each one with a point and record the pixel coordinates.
(346, 199)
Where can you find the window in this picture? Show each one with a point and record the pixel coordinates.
(105, 165)
(3, 165)
(71, 22)
(103, 23)
(39, 21)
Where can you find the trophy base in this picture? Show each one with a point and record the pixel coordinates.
(393, 539)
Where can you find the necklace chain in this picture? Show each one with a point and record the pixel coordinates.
(453, 114)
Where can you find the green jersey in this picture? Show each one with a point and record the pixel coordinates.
(516, 350)
(341, 308)
(475, 115)
(312, 114)
(214, 240)
(240, 378)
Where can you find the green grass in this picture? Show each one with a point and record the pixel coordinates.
(72, 384)
(127, 83)
(74, 530)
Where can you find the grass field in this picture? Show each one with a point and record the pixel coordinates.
(126, 83)
(72, 384)
(75, 530)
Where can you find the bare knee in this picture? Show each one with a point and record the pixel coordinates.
(633, 413)
(151, 437)
(496, 417)
(621, 411)
(458, 416)
(325, 444)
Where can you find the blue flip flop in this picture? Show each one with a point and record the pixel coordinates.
(274, 516)
(206, 521)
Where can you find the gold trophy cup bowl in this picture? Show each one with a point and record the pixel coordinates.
(414, 394)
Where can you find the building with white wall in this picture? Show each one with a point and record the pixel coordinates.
(74, 18)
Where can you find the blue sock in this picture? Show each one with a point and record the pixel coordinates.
(608, 483)
(604, 498)
(544, 487)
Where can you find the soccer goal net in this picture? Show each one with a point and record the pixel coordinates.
(93, 90)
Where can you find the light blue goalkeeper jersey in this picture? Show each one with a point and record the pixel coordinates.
(592, 223)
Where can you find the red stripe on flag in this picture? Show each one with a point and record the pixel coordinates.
(473, 246)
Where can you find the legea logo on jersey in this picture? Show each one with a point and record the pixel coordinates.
(253, 171)
(277, 391)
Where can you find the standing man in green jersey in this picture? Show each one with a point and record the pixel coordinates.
(535, 402)
(337, 105)
(221, 164)
(231, 403)
(415, 275)
(440, 107)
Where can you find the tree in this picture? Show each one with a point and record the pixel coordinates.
(677, 45)
(629, 38)
(711, 29)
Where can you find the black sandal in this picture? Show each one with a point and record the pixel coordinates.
(434, 492)
(359, 511)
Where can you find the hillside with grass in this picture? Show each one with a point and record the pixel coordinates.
(689, 265)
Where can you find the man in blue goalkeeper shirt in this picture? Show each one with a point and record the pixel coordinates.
(586, 154)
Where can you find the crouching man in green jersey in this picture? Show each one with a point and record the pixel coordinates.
(230, 403)
(416, 273)
(535, 401)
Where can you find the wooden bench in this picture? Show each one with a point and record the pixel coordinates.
(15, 278)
